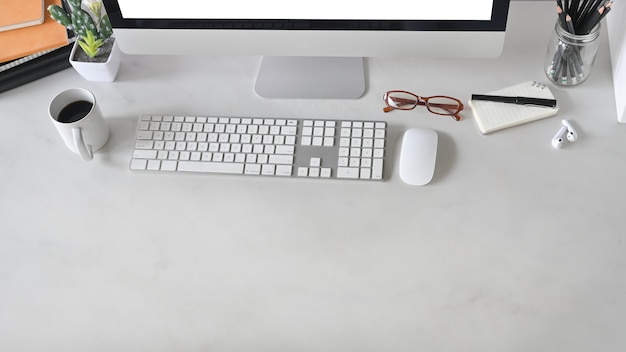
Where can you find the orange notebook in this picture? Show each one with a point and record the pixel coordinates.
(20, 13)
(21, 42)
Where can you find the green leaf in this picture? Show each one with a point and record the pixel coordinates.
(90, 44)
(59, 15)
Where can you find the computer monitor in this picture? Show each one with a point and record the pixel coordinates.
(311, 49)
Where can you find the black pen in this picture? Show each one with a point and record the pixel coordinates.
(515, 100)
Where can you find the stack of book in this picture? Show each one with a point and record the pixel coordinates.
(32, 45)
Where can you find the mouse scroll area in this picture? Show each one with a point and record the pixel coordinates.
(418, 156)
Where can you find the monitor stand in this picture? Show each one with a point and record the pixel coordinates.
(311, 77)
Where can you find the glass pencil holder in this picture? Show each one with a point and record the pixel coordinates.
(570, 57)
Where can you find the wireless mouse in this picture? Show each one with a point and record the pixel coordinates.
(418, 155)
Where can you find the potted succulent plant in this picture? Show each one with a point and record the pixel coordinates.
(95, 54)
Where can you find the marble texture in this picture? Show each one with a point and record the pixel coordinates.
(514, 246)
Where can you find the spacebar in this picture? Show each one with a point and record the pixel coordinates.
(224, 168)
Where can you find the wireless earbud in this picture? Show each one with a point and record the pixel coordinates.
(572, 135)
(558, 141)
(568, 129)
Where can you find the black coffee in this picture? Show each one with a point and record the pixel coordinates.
(74, 111)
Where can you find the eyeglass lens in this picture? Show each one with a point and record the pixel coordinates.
(442, 105)
(401, 100)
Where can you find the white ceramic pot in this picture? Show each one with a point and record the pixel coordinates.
(98, 71)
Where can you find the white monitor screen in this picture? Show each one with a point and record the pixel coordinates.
(318, 9)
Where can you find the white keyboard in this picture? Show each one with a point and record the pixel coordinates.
(332, 149)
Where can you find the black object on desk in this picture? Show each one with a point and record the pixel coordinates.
(516, 100)
(36, 68)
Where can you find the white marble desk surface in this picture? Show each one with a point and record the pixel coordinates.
(514, 246)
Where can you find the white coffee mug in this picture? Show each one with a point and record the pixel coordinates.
(78, 120)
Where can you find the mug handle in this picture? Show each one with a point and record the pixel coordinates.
(85, 150)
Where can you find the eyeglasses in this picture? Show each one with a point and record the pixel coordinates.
(439, 104)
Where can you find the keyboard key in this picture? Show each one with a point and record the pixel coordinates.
(288, 130)
(168, 165)
(144, 135)
(284, 149)
(315, 162)
(377, 169)
(138, 164)
(281, 159)
(195, 166)
(348, 172)
(144, 144)
(144, 154)
(283, 170)
(154, 165)
(252, 169)
(268, 169)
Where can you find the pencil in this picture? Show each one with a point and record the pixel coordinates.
(591, 21)
(570, 24)
(559, 11)
(586, 10)
(581, 11)
(607, 8)
(573, 8)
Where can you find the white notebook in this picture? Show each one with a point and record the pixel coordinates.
(492, 116)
